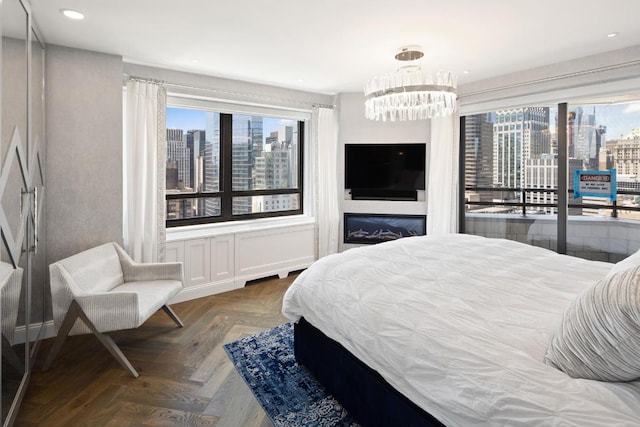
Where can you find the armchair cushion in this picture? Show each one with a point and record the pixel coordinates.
(152, 295)
(96, 269)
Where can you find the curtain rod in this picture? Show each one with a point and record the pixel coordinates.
(553, 78)
(229, 92)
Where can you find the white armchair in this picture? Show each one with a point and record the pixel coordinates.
(102, 289)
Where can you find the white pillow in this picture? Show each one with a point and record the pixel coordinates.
(630, 261)
(599, 337)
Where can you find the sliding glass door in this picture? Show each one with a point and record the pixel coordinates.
(603, 137)
(564, 177)
(511, 174)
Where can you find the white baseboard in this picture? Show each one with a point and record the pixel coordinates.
(48, 331)
(205, 290)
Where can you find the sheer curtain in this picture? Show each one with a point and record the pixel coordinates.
(442, 194)
(145, 156)
(326, 181)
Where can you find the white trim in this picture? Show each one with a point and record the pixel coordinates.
(205, 290)
(235, 107)
(235, 227)
(48, 331)
(604, 76)
(551, 98)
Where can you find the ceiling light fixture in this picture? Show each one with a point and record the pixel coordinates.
(410, 93)
(72, 14)
(612, 35)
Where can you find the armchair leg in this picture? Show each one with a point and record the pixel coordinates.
(172, 315)
(74, 312)
(67, 324)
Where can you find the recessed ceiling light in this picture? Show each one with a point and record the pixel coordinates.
(72, 14)
(612, 35)
(466, 72)
(195, 60)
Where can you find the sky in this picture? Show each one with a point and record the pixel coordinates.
(619, 119)
(186, 119)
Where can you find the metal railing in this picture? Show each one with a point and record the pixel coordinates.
(523, 204)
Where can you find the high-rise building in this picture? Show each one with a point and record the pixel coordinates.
(178, 152)
(247, 133)
(626, 155)
(594, 163)
(288, 137)
(542, 173)
(211, 164)
(518, 135)
(478, 156)
(583, 135)
(195, 142)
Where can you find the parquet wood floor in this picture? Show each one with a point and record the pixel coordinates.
(186, 378)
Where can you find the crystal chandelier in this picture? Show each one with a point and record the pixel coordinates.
(410, 93)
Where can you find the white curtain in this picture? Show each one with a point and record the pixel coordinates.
(442, 193)
(145, 154)
(326, 181)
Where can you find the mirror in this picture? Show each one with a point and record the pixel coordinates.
(39, 289)
(14, 155)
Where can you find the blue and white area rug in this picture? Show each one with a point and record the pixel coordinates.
(289, 394)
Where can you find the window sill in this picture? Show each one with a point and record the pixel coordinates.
(221, 229)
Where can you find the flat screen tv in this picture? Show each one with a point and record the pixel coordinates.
(384, 171)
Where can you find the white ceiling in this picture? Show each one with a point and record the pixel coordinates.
(333, 46)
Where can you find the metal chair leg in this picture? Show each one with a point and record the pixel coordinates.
(74, 312)
(172, 315)
(67, 324)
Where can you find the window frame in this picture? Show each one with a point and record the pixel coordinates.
(227, 194)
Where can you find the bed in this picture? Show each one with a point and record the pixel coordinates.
(465, 330)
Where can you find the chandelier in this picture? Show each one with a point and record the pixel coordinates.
(410, 93)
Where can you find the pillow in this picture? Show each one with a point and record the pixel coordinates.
(630, 261)
(599, 336)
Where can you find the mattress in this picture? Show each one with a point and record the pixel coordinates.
(460, 325)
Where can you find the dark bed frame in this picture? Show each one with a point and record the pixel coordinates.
(370, 399)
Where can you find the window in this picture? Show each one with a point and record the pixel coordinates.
(226, 166)
(512, 177)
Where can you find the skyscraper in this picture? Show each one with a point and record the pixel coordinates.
(247, 133)
(178, 152)
(518, 135)
(478, 156)
(195, 142)
(583, 135)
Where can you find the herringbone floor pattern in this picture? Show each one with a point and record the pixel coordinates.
(186, 378)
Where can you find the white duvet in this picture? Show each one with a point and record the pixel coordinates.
(460, 324)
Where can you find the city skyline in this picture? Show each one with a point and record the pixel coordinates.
(620, 119)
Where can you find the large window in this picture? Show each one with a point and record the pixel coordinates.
(519, 176)
(228, 166)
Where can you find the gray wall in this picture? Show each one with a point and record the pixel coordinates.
(84, 150)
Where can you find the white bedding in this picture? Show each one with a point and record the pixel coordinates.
(460, 325)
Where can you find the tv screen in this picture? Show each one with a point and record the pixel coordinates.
(385, 169)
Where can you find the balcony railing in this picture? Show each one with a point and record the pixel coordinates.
(523, 204)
